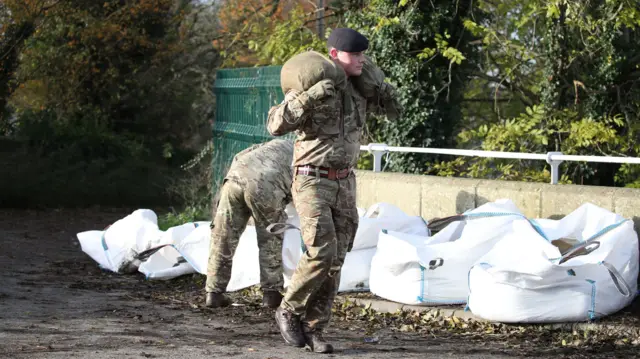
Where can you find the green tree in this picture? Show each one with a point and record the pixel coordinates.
(131, 66)
(288, 37)
(110, 97)
(573, 66)
(424, 50)
(18, 21)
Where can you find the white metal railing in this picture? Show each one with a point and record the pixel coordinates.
(552, 158)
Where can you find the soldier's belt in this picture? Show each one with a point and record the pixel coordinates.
(324, 172)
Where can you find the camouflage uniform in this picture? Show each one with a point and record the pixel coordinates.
(328, 136)
(257, 185)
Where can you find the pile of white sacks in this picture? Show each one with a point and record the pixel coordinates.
(504, 266)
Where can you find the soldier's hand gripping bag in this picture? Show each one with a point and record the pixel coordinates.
(370, 81)
(391, 103)
(308, 68)
(371, 85)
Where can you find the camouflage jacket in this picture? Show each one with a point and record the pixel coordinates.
(328, 132)
(264, 171)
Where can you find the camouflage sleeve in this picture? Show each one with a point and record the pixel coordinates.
(290, 114)
(386, 103)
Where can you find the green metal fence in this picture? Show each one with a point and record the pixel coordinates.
(243, 99)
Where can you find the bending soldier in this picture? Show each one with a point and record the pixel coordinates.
(257, 185)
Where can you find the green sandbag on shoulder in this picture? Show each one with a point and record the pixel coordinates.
(308, 68)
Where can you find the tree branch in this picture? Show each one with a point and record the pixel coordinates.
(45, 8)
(525, 95)
(326, 16)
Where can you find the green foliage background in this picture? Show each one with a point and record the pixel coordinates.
(103, 102)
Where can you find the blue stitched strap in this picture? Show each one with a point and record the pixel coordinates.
(422, 299)
(421, 296)
(501, 214)
(105, 248)
(587, 242)
(592, 311)
(606, 229)
(426, 225)
(104, 242)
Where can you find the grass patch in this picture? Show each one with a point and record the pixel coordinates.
(186, 215)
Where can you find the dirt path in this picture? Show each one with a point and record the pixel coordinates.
(56, 303)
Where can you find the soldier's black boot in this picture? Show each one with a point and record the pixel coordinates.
(217, 300)
(316, 342)
(289, 325)
(271, 299)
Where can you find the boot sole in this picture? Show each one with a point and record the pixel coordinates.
(322, 352)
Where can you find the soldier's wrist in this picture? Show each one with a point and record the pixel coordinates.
(305, 100)
(386, 91)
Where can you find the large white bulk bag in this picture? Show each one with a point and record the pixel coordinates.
(525, 278)
(116, 247)
(166, 263)
(354, 275)
(386, 216)
(185, 254)
(422, 270)
(191, 255)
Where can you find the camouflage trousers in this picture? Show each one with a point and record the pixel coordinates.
(328, 221)
(235, 208)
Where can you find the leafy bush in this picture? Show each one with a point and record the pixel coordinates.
(78, 163)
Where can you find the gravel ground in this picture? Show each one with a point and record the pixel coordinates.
(56, 303)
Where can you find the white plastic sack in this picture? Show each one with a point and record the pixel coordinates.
(354, 275)
(116, 247)
(186, 249)
(182, 255)
(195, 247)
(245, 270)
(175, 235)
(522, 280)
(386, 216)
(165, 264)
(421, 270)
(191, 255)
(292, 248)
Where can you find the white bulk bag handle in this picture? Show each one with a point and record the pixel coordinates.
(591, 245)
(618, 280)
(285, 226)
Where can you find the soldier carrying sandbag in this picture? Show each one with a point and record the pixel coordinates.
(258, 186)
(326, 103)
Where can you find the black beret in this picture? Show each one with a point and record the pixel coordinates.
(348, 40)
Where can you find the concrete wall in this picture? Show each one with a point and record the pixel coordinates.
(431, 196)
